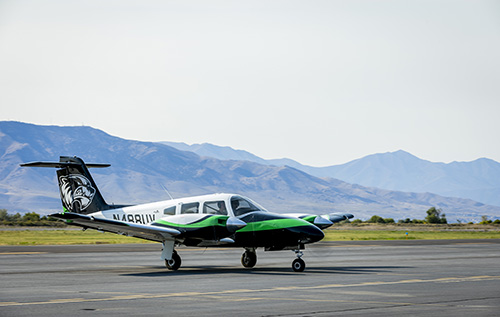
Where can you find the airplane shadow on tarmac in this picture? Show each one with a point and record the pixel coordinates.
(205, 270)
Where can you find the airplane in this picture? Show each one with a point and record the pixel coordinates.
(227, 220)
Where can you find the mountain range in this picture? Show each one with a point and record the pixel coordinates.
(401, 171)
(140, 171)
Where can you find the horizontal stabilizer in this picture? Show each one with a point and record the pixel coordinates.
(62, 164)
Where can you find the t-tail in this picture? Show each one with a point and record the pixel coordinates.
(79, 193)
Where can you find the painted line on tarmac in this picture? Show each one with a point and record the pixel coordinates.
(20, 253)
(346, 246)
(191, 295)
(387, 304)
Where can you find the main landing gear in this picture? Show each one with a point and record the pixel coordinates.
(168, 252)
(249, 258)
(174, 263)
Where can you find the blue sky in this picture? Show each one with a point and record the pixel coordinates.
(321, 82)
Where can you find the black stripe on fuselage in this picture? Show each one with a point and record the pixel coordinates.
(276, 239)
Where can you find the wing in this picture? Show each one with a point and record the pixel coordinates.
(322, 221)
(148, 232)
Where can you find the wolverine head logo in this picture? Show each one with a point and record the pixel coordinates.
(76, 192)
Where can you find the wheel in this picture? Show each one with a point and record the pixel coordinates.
(249, 259)
(298, 265)
(174, 263)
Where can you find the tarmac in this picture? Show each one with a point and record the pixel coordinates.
(355, 278)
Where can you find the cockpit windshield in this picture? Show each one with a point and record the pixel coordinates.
(243, 206)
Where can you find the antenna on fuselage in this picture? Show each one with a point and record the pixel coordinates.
(172, 198)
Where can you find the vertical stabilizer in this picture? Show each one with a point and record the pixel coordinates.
(79, 193)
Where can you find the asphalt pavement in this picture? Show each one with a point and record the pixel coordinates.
(371, 278)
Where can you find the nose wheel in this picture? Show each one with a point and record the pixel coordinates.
(249, 258)
(298, 265)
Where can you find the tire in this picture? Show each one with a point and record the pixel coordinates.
(175, 263)
(249, 259)
(298, 265)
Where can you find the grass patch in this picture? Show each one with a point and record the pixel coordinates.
(61, 236)
(53, 237)
(344, 235)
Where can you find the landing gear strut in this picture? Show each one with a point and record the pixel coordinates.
(174, 263)
(249, 258)
(298, 265)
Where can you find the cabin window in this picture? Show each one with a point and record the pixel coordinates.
(169, 211)
(191, 208)
(215, 208)
(242, 206)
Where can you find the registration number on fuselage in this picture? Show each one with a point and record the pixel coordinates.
(135, 218)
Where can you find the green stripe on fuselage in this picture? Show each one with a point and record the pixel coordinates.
(273, 224)
(207, 222)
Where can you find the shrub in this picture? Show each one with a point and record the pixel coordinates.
(376, 219)
(435, 216)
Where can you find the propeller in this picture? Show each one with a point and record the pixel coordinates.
(234, 224)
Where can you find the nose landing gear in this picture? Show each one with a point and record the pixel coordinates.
(298, 265)
(249, 258)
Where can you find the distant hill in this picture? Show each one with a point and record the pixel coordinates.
(218, 152)
(401, 171)
(478, 180)
(228, 153)
(139, 169)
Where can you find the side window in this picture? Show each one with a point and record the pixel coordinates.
(170, 211)
(215, 207)
(191, 208)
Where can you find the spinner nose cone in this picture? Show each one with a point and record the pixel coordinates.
(322, 223)
(308, 234)
(234, 224)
